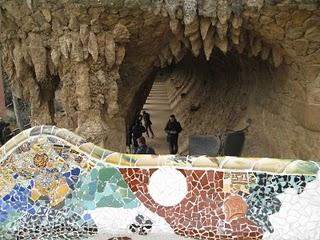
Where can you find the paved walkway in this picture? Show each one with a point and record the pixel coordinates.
(158, 106)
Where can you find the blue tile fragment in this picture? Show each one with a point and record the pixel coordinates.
(87, 217)
(32, 211)
(75, 171)
(6, 197)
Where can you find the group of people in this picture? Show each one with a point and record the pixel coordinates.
(138, 142)
(5, 131)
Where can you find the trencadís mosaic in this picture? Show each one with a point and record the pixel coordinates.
(55, 185)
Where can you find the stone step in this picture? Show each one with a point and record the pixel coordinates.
(158, 97)
(158, 93)
(163, 89)
(159, 90)
(155, 100)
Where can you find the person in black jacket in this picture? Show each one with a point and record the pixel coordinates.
(147, 123)
(137, 131)
(173, 128)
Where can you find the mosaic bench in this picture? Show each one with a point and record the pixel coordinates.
(55, 185)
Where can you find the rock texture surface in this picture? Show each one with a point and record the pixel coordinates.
(95, 58)
(211, 97)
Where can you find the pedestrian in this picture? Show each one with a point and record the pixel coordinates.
(137, 131)
(6, 133)
(129, 140)
(147, 123)
(173, 128)
(143, 148)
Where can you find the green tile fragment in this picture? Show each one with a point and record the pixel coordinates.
(94, 174)
(92, 187)
(106, 173)
(122, 184)
(101, 186)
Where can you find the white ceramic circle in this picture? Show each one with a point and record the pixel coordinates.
(167, 186)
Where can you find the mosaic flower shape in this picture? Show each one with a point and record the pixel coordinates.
(40, 160)
(142, 225)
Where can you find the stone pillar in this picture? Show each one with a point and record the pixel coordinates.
(17, 112)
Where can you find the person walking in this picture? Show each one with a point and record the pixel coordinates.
(136, 132)
(147, 123)
(173, 128)
(143, 148)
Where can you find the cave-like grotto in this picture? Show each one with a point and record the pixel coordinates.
(226, 62)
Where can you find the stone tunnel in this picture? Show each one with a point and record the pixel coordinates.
(224, 61)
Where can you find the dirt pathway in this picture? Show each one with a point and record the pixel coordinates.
(158, 106)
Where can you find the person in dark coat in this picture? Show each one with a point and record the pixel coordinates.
(147, 123)
(129, 141)
(137, 131)
(173, 128)
(143, 148)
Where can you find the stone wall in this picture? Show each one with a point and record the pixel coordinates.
(211, 97)
(95, 56)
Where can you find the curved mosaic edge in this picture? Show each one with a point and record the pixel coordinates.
(268, 165)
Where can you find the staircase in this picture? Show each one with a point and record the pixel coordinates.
(158, 106)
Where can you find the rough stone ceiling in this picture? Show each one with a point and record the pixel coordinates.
(256, 26)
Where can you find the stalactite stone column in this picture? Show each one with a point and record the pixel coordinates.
(89, 118)
(17, 113)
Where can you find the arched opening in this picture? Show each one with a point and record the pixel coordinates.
(209, 97)
(225, 61)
